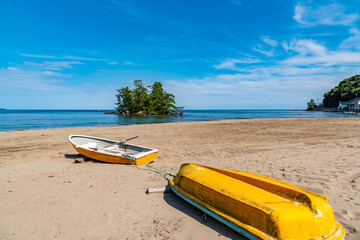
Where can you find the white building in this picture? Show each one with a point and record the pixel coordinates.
(353, 104)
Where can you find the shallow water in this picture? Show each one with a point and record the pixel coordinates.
(42, 119)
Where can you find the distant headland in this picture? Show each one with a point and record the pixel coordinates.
(344, 97)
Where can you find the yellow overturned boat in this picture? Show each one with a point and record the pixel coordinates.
(256, 206)
(111, 151)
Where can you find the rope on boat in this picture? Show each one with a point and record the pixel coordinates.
(150, 168)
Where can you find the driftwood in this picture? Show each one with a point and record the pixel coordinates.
(165, 189)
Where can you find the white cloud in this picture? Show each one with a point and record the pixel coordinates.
(50, 90)
(305, 47)
(310, 52)
(35, 80)
(230, 63)
(299, 12)
(252, 90)
(267, 80)
(307, 57)
(36, 55)
(264, 50)
(285, 45)
(268, 53)
(309, 70)
(352, 42)
(57, 66)
(128, 63)
(269, 41)
(305, 53)
(69, 57)
(332, 14)
(333, 58)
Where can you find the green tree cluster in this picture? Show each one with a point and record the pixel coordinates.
(311, 105)
(347, 89)
(141, 100)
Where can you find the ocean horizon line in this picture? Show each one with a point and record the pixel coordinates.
(107, 109)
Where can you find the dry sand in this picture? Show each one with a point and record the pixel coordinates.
(44, 195)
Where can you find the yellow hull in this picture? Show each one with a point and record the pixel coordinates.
(110, 151)
(257, 206)
(116, 159)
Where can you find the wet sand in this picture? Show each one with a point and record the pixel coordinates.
(45, 195)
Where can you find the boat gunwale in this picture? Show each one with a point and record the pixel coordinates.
(137, 155)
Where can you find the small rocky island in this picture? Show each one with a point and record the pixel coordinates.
(142, 101)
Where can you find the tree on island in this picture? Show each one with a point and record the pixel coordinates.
(347, 89)
(142, 101)
(311, 105)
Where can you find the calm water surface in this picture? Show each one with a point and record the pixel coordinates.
(42, 119)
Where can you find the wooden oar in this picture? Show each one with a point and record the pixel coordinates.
(123, 141)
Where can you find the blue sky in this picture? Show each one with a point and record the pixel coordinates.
(224, 54)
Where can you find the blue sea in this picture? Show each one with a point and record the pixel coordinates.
(43, 119)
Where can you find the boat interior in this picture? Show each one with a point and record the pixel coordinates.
(107, 146)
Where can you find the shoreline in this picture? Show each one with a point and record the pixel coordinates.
(46, 195)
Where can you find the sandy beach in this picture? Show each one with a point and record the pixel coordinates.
(45, 195)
